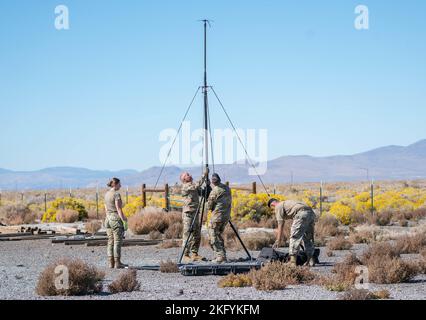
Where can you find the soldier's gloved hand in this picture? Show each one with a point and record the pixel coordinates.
(276, 245)
(206, 172)
(125, 225)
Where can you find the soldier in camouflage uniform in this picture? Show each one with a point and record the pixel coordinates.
(219, 202)
(302, 228)
(115, 223)
(191, 193)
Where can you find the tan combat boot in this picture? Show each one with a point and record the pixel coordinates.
(293, 261)
(196, 257)
(111, 262)
(186, 259)
(219, 259)
(118, 264)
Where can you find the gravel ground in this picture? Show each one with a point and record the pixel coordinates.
(21, 263)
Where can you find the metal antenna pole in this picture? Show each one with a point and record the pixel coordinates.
(205, 88)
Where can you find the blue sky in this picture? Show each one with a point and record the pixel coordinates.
(98, 95)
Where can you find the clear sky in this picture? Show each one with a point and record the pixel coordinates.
(125, 70)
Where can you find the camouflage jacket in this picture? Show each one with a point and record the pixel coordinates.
(190, 194)
(220, 202)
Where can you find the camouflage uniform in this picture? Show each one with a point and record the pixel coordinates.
(219, 202)
(113, 224)
(190, 193)
(303, 225)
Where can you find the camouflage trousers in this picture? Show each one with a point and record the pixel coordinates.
(194, 242)
(216, 229)
(115, 232)
(302, 230)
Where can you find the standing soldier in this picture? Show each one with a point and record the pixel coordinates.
(219, 202)
(302, 228)
(191, 193)
(115, 223)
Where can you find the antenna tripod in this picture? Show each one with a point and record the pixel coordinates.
(206, 190)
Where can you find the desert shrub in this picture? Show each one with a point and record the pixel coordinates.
(174, 231)
(63, 204)
(235, 280)
(155, 235)
(277, 275)
(16, 214)
(345, 270)
(258, 240)
(93, 226)
(411, 244)
(151, 219)
(126, 282)
(167, 244)
(343, 275)
(342, 211)
(419, 213)
(362, 294)
(379, 249)
(381, 218)
(358, 218)
(339, 243)
(251, 206)
(67, 216)
(83, 279)
(329, 253)
(391, 270)
(169, 267)
(385, 265)
(92, 214)
(264, 222)
(363, 236)
(326, 226)
(423, 253)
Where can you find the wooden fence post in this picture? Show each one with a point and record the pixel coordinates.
(143, 195)
(166, 197)
(253, 186)
(372, 196)
(321, 198)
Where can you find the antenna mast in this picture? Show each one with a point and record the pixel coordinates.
(205, 89)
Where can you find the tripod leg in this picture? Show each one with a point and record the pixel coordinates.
(241, 241)
(191, 229)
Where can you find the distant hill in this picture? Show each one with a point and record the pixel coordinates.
(390, 162)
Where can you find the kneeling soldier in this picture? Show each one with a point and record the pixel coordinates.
(191, 193)
(219, 202)
(302, 228)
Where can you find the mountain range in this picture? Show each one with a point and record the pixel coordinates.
(385, 163)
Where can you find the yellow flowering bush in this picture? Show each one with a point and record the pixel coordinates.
(342, 211)
(251, 206)
(62, 204)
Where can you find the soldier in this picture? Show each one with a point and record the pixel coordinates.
(115, 223)
(191, 193)
(219, 202)
(302, 228)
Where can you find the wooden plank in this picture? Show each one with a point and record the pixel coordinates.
(126, 243)
(155, 190)
(32, 237)
(17, 234)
